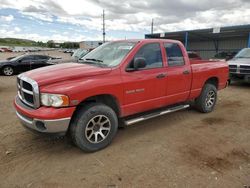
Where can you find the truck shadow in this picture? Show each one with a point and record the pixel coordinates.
(29, 144)
(240, 84)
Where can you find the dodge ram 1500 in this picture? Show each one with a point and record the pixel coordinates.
(123, 81)
(239, 66)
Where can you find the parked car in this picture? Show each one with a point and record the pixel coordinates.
(6, 50)
(71, 51)
(23, 63)
(239, 66)
(194, 55)
(124, 81)
(79, 53)
(225, 55)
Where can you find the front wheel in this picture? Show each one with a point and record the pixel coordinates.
(206, 101)
(94, 127)
(8, 71)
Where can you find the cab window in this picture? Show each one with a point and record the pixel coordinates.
(152, 54)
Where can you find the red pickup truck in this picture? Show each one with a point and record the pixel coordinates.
(118, 83)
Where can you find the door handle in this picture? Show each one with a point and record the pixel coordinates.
(186, 72)
(162, 75)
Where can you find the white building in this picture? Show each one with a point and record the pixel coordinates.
(89, 45)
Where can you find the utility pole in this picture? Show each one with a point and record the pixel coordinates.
(103, 24)
(152, 26)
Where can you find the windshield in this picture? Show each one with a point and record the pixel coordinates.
(18, 57)
(109, 54)
(244, 53)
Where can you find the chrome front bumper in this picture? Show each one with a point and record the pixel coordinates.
(45, 126)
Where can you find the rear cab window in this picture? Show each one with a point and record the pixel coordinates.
(174, 54)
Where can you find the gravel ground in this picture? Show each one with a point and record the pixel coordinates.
(183, 149)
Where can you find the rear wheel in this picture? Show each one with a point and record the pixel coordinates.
(206, 101)
(8, 71)
(94, 127)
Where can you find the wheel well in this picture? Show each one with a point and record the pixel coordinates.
(1, 69)
(214, 81)
(106, 99)
(7, 66)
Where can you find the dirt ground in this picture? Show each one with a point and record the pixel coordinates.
(183, 149)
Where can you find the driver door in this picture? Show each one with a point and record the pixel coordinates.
(24, 64)
(145, 89)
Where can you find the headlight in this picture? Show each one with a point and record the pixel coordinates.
(54, 100)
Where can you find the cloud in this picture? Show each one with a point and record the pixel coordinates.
(130, 15)
(8, 18)
(17, 29)
(40, 16)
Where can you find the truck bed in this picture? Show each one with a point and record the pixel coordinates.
(203, 69)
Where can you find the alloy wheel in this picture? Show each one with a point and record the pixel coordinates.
(8, 71)
(97, 129)
(210, 99)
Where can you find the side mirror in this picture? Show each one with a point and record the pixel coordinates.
(139, 63)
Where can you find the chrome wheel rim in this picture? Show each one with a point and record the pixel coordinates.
(210, 99)
(8, 71)
(98, 129)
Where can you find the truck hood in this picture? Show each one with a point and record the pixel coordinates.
(239, 61)
(62, 72)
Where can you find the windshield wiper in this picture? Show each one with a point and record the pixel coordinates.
(93, 59)
(241, 57)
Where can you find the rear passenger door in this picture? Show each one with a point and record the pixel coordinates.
(179, 76)
(39, 61)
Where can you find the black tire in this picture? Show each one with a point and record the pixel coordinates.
(82, 127)
(202, 104)
(7, 70)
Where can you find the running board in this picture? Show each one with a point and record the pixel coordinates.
(155, 114)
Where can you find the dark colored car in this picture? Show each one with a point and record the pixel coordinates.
(225, 55)
(24, 63)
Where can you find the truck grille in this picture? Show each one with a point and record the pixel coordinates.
(244, 69)
(28, 91)
(232, 68)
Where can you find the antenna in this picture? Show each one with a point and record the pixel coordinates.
(103, 24)
(152, 26)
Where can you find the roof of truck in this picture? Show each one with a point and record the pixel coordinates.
(147, 40)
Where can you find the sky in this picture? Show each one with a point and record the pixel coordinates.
(80, 20)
